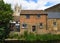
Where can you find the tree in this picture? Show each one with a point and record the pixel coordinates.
(5, 17)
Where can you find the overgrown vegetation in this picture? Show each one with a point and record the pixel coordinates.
(14, 35)
(33, 37)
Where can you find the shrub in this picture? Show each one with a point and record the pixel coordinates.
(33, 37)
(2, 33)
(46, 37)
(29, 36)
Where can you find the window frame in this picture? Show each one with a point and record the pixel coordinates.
(24, 25)
(41, 25)
(54, 23)
(34, 28)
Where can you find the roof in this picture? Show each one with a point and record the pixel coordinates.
(53, 15)
(55, 8)
(33, 12)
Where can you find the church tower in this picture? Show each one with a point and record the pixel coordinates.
(17, 10)
(16, 13)
(16, 18)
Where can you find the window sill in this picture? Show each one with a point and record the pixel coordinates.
(23, 27)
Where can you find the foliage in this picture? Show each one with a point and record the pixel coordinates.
(45, 37)
(5, 13)
(5, 17)
(29, 36)
(14, 35)
(1, 32)
(33, 37)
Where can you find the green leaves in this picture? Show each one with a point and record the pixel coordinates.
(5, 11)
(1, 32)
(34, 37)
(5, 16)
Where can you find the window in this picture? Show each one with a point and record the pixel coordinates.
(33, 28)
(27, 16)
(38, 15)
(24, 25)
(54, 23)
(41, 25)
(17, 25)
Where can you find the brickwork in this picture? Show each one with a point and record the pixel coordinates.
(33, 21)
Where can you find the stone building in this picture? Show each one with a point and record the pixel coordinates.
(54, 21)
(31, 20)
(54, 18)
(55, 8)
(38, 21)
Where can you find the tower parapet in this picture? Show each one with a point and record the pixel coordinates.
(17, 10)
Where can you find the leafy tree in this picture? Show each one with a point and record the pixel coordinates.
(5, 17)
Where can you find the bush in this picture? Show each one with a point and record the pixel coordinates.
(13, 35)
(46, 37)
(29, 36)
(2, 33)
(33, 37)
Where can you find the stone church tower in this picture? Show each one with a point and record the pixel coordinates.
(16, 13)
(16, 19)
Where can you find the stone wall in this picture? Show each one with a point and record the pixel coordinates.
(33, 21)
(53, 28)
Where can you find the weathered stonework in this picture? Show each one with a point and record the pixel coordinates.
(53, 28)
(33, 21)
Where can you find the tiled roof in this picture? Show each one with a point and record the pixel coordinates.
(53, 15)
(33, 12)
(54, 11)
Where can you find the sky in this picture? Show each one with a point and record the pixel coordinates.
(33, 4)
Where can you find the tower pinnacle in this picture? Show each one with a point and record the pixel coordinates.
(17, 10)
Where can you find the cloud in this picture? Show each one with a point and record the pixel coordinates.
(33, 4)
(48, 4)
(32, 0)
